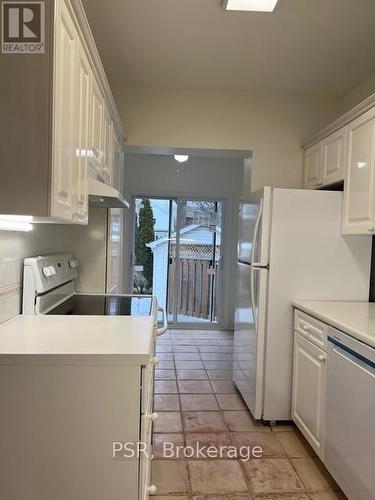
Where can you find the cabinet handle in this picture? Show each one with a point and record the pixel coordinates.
(155, 361)
(152, 489)
(306, 328)
(371, 229)
(319, 183)
(154, 416)
(322, 357)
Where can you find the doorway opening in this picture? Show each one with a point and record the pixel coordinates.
(178, 256)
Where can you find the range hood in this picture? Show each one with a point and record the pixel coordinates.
(101, 195)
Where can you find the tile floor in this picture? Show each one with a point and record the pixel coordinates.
(197, 402)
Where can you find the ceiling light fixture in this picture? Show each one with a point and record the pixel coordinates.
(15, 223)
(181, 158)
(250, 5)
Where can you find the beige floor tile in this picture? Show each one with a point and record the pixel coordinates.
(184, 348)
(189, 365)
(216, 476)
(165, 387)
(165, 375)
(160, 439)
(224, 386)
(166, 365)
(170, 476)
(231, 402)
(168, 422)
(275, 475)
(220, 374)
(271, 447)
(173, 497)
(214, 356)
(163, 349)
(328, 495)
(210, 348)
(165, 356)
(218, 365)
(287, 496)
(203, 421)
(313, 474)
(187, 356)
(198, 402)
(225, 497)
(192, 375)
(166, 402)
(241, 421)
(294, 444)
(284, 427)
(202, 441)
(194, 387)
(203, 342)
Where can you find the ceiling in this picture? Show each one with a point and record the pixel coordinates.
(308, 46)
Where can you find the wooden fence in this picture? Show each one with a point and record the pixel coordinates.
(198, 290)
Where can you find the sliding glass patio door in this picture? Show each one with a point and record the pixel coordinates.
(178, 257)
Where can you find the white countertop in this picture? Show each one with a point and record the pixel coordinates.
(125, 340)
(357, 319)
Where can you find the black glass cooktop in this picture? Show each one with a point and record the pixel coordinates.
(105, 305)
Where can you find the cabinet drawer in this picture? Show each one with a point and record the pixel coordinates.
(311, 328)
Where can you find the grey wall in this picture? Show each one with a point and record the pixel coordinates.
(206, 177)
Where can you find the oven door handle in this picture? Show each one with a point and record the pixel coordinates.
(164, 328)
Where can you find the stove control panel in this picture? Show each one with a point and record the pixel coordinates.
(43, 273)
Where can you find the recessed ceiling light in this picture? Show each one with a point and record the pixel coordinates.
(181, 158)
(254, 5)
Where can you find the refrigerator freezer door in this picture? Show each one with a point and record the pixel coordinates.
(249, 337)
(254, 228)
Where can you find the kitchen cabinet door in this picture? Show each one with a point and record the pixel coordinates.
(333, 157)
(82, 150)
(63, 200)
(359, 190)
(312, 167)
(97, 132)
(308, 396)
(108, 146)
(118, 165)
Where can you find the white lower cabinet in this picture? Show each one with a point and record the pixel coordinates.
(309, 387)
(65, 423)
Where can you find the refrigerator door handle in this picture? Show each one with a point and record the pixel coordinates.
(256, 233)
(253, 309)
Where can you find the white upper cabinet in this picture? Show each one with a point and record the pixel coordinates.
(359, 192)
(65, 126)
(68, 132)
(96, 128)
(333, 157)
(118, 165)
(312, 174)
(324, 162)
(83, 134)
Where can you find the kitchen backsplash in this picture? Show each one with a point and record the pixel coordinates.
(87, 243)
(14, 247)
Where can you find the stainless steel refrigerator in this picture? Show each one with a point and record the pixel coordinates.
(290, 247)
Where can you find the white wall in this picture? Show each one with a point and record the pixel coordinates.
(271, 125)
(358, 93)
(206, 177)
(14, 247)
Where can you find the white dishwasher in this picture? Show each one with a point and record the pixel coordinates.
(350, 414)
